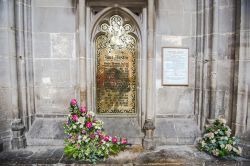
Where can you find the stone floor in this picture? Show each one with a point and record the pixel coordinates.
(165, 155)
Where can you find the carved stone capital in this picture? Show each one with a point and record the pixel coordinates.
(148, 125)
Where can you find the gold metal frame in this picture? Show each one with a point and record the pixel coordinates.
(116, 34)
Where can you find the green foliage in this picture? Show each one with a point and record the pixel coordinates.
(218, 141)
(86, 139)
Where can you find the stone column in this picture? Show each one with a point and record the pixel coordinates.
(81, 37)
(216, 31)
(222, 62)
(150, 114)
(205, 24)
(18, 139)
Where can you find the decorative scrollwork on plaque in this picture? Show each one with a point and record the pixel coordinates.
(116, 52)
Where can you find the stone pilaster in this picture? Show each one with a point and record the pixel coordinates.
(148, 141)
(241, 102)
(81, 48)
(18, 139)
(150, 114)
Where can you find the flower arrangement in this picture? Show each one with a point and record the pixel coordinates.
(86, 139)
(218, 141)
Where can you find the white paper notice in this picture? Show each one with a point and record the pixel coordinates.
(175, 66)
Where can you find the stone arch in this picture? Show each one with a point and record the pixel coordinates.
(128, 38)
(131, 122)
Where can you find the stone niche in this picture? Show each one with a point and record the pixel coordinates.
(115, 58)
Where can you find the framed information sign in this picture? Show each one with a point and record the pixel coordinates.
(175, 66)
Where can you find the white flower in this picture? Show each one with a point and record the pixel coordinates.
(203, 143)
(228, 133)
(213, 141)
(215, 152)
(87, 140)
(91, 113)
(79, 141)
(79, 137)
(223, 121)
(81, 120)
(222, 145)
(84, 137)
(238, 151)
(229, 147)
(81, 126)
(74, 126)
(209, 135)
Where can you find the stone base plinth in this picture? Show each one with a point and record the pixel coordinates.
(18, 140)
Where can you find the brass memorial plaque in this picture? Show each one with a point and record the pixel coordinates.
(116, 51)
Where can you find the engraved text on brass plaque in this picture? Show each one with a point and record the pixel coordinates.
(116, 51)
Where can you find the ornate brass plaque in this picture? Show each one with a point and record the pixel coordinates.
(116, 52)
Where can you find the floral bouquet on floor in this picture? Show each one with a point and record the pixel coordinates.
(86, 139)
(218, 141)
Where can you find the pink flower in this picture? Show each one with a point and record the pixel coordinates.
(101, 136)
(88, 125)
(83, 132)
(92, 136)
(83, 109)
(73, 102)
(124, 141)
(106, 138)
(75, 118)
(98, 132)
(114, 140)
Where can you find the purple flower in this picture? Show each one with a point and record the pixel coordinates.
(83, 109)
(73, 102)
(83, 132)
(69, 136)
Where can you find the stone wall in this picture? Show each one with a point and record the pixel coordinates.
(45, 60)
(54, 55)
(175, 113)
